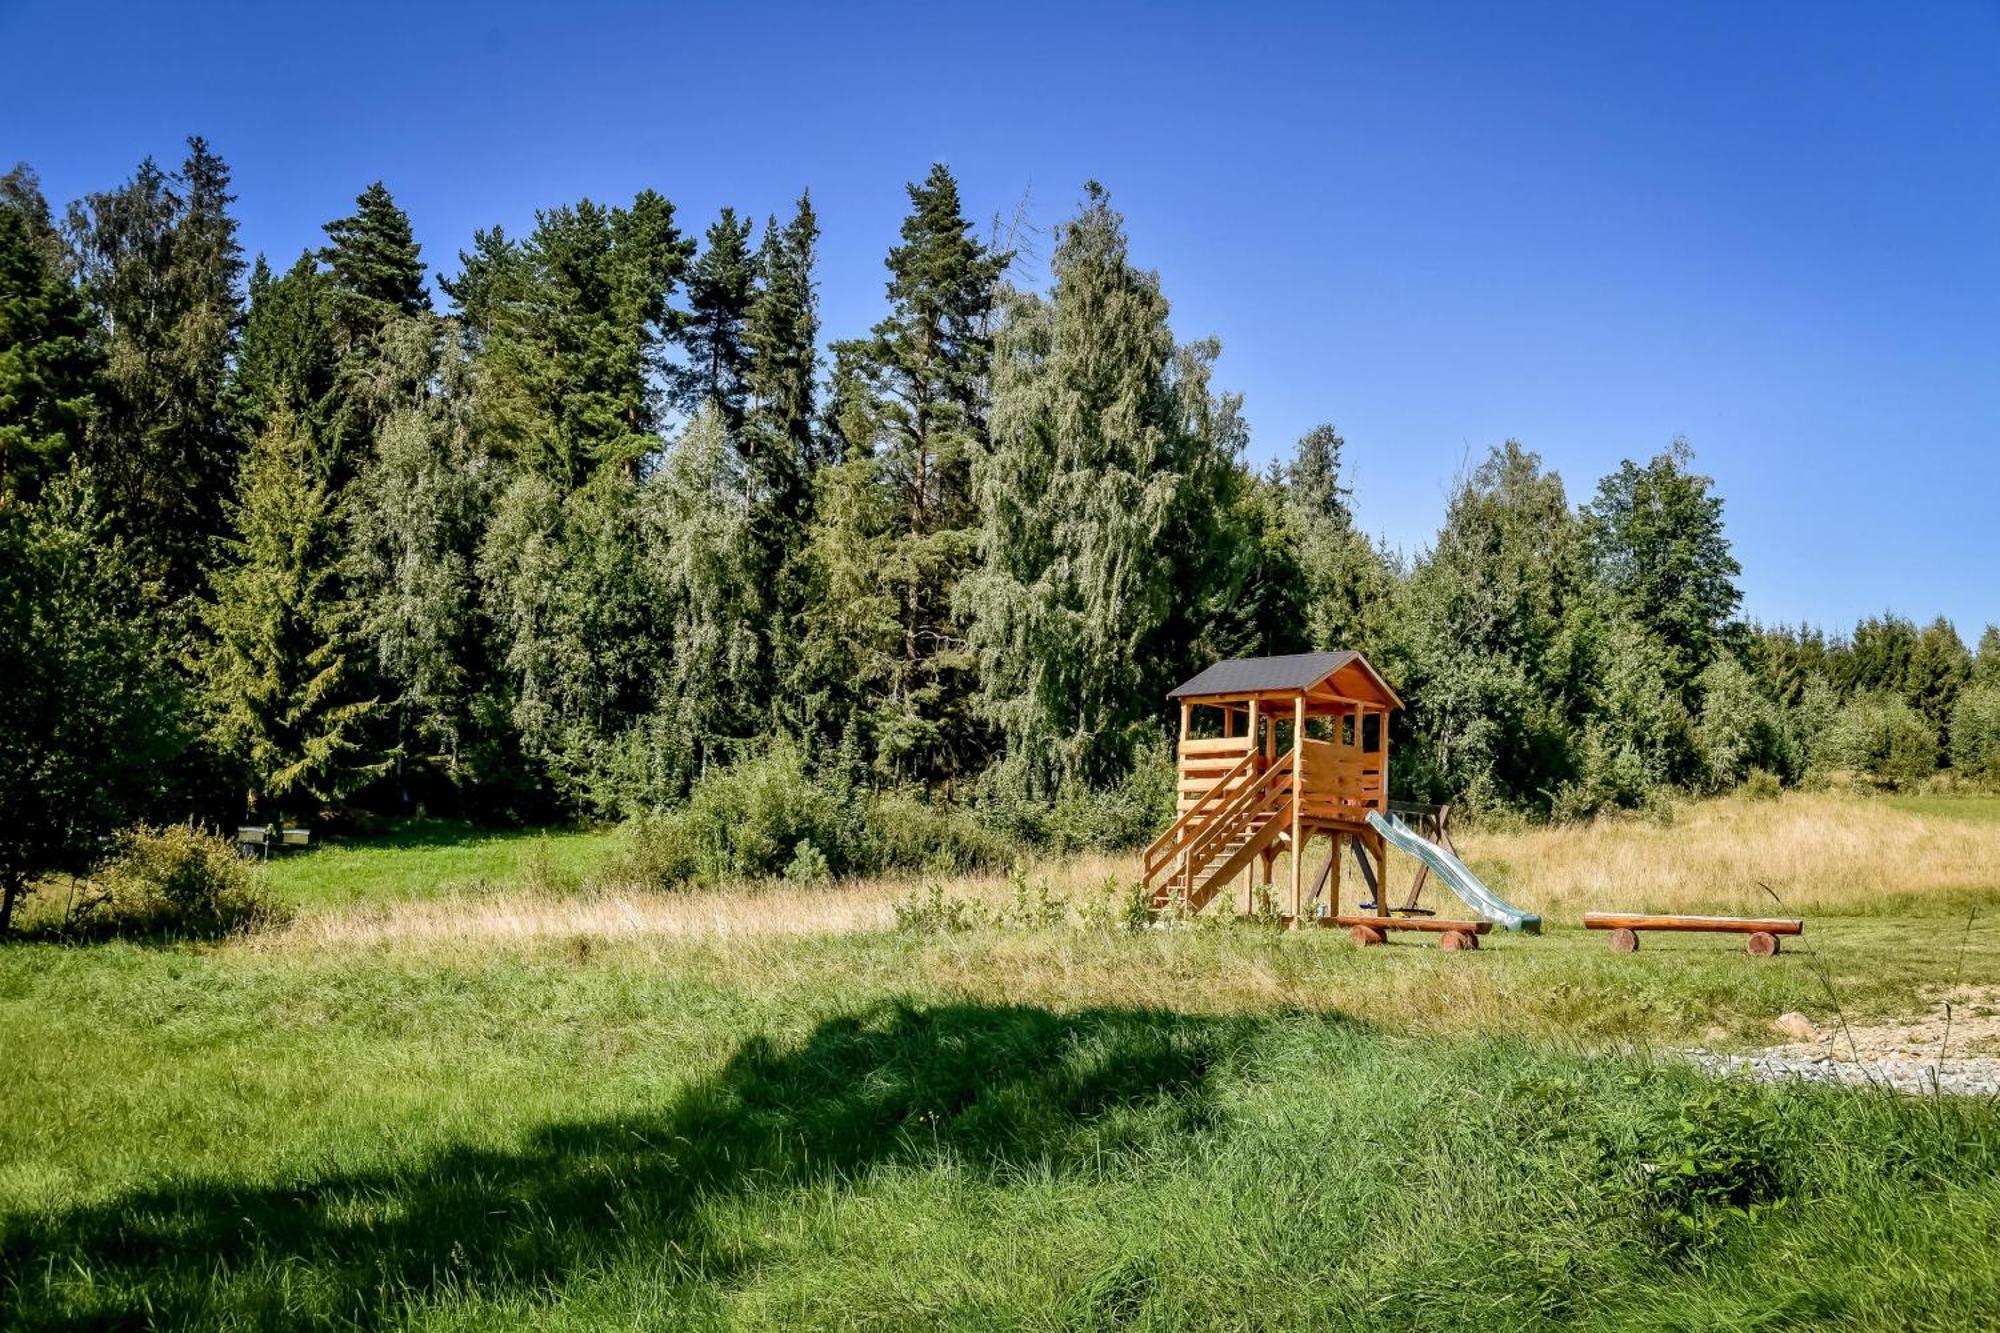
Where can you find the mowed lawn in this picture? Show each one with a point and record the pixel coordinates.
(477, 1084)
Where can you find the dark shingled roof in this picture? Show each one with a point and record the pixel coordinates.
(1252, 675)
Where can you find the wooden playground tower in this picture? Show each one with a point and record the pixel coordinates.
(1300, 750)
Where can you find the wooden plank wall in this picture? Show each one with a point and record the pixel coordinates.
(1204, 761)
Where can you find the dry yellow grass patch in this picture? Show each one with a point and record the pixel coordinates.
(614, 913)
(1819, 851)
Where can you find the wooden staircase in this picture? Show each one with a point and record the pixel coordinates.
(1245, 814)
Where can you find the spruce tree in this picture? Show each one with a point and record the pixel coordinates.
(285, 671)
(374, 256)
(160, 262)
(925, 371)
(49, 364)
(721, 284)
(782, 331)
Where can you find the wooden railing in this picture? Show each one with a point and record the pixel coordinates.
(1162, 849)
(1266, 791)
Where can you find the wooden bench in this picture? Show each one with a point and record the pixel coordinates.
(1763, 931)
(1373, 929)
(254, 841)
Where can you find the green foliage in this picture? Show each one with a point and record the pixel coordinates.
(285, 672)
(1480, 654)
(914, 398)
(1689, 1173)
(375, 259)
(571, 325)
(92, 720)
(1880, 737)
(417, 514)
(159, 261)
(1761, 784)
(906, 832)
(1656, 539)
(49, 364)
(1975, 734)
(173, 881)
(750, 819)
(1740, 730)
(1108, 451)
(721, 285)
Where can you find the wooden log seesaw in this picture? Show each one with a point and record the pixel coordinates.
(1764, 932)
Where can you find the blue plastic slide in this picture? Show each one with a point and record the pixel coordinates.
(1457, 878)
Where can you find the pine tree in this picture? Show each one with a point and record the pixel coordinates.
(570, 328)
(924, 374)
(721, 285)
(160, 262)
(285, 671)
(49, 364)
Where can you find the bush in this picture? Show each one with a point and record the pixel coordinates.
(1761, 784)
(1881, 737)
(173, 881)
(905, 832)
(1975, 735)
(1082, 818)
(748, 821)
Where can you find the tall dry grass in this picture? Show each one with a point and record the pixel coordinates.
(621, 912)
(1824, 852)
(1821, 853)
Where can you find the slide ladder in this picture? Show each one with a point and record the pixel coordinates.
(1460, 880)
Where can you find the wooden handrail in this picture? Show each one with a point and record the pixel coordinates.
(1197, 853)
(1169, 838)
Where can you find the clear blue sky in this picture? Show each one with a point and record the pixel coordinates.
(1774, 229)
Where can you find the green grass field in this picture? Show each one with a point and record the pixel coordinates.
(1019, 1125)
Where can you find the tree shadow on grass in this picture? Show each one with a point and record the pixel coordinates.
(998, 1090)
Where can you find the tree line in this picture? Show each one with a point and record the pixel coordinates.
(603, 510)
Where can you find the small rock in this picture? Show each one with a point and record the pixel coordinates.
(1795, 1025)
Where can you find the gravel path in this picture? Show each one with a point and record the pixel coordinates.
(1960, 1078)
(1902, 1054)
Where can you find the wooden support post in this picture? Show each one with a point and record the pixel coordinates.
(1298, 798)
(1381, 850)
(1333, 851)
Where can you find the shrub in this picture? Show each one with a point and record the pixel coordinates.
(749, 820)
(172, 881)
(1082, 818)
(1740, 730)
(1688, 1174)
(654, 852)
(933, 912)
(1975, 735)
(808, 866)
(905, 832)
(1761, 784)
(1879, 736)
